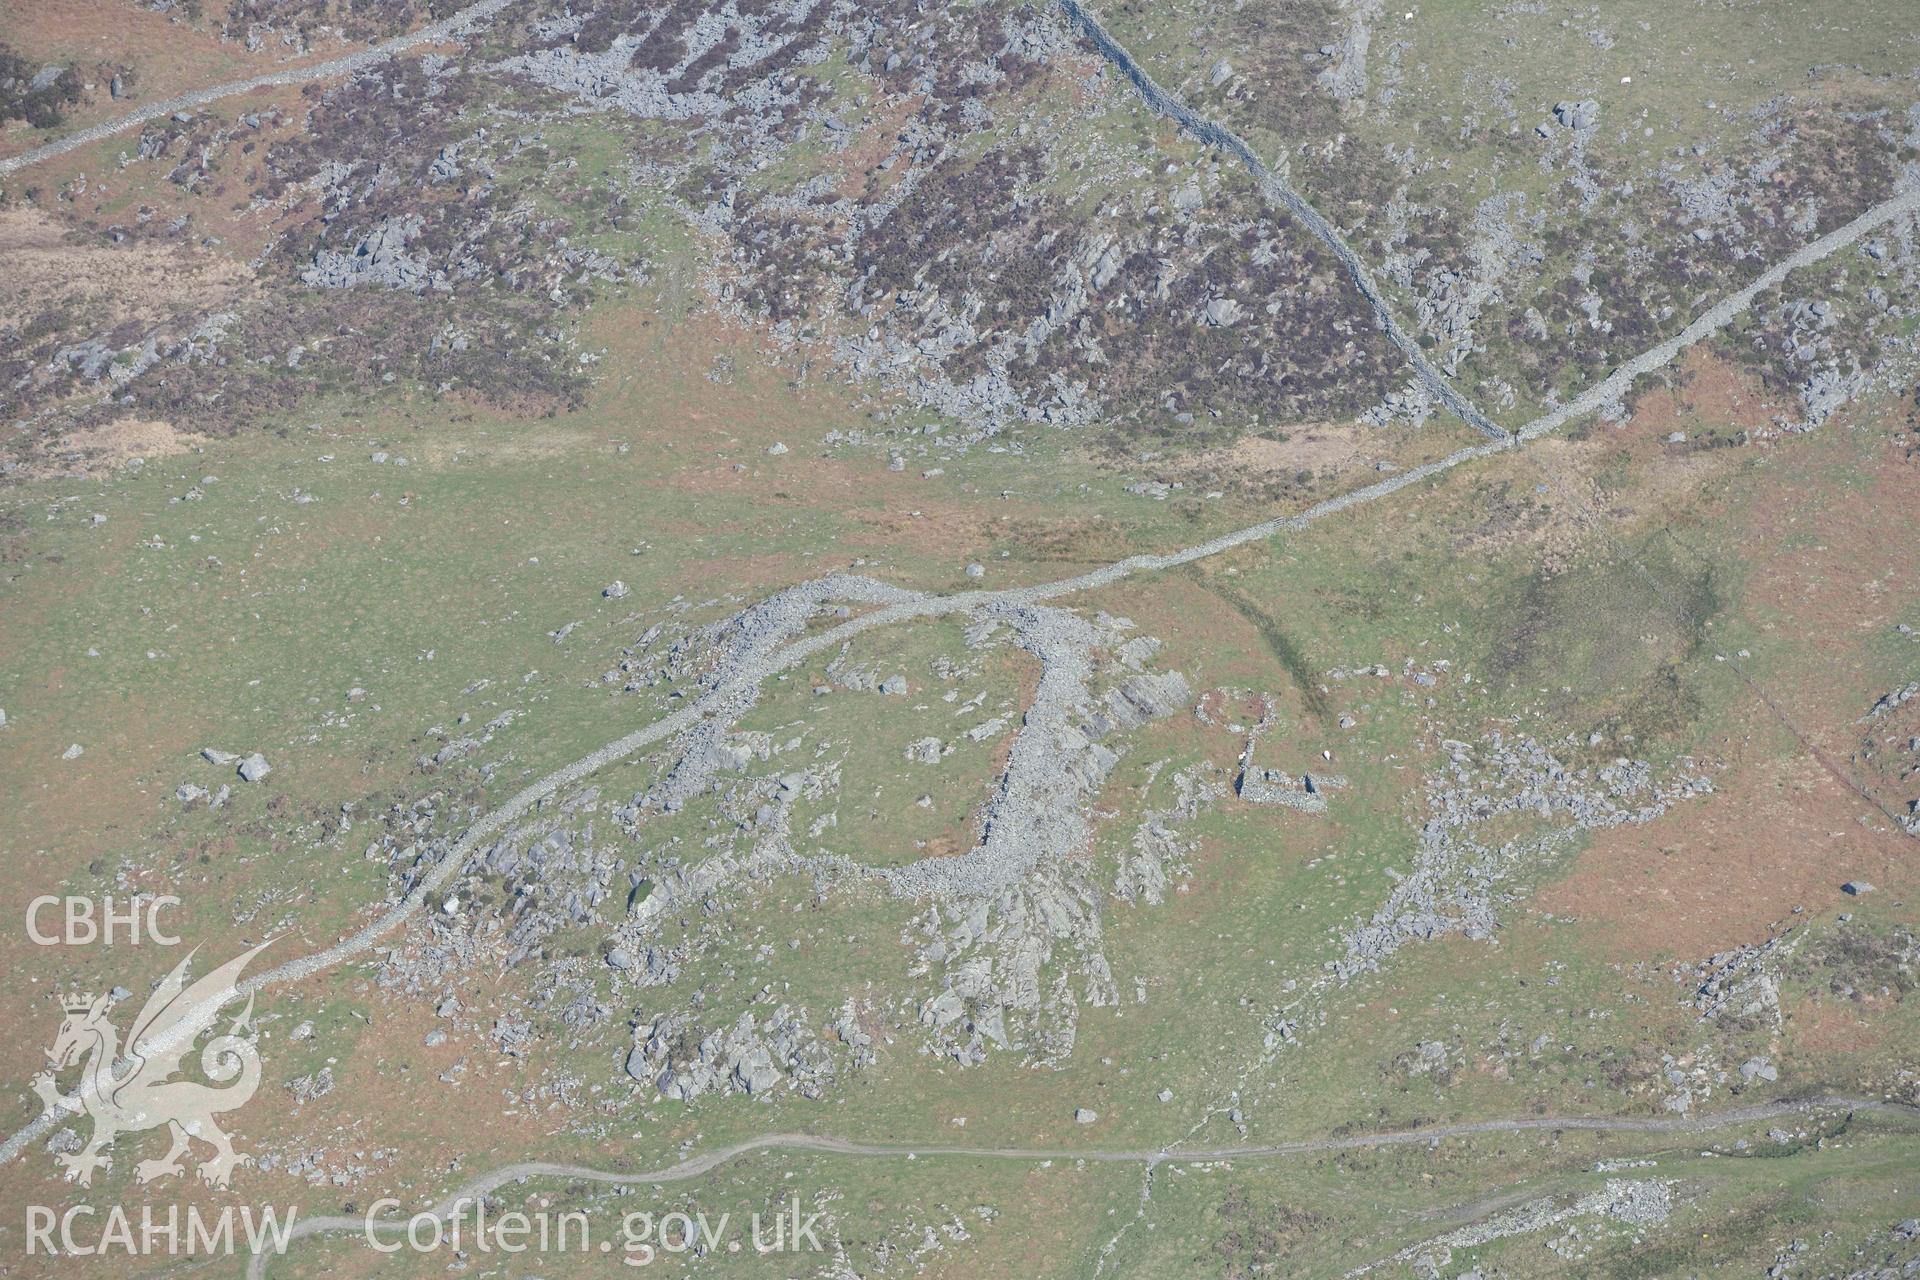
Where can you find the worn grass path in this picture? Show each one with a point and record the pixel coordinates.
(694, 1166)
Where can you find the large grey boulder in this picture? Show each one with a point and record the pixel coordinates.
(636, 1064)
(755, 1071)
(1222, 312)
(1579, 116)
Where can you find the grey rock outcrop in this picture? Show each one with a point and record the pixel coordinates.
(748, 1057)
(377, 257)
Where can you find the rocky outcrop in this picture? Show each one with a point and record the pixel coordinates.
(751, 1057)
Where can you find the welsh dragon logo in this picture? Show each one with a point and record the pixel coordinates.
(130, 1088)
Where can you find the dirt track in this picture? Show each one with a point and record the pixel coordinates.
(694, 1166)
(445, 29)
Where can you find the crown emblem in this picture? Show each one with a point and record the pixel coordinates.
(77, 1002)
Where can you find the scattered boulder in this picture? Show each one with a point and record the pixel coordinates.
(1855, 888)
(755, 1073)
(637, 1067)
(615, 590)
(308, 1088)
(214, 755)
(1222, 312)
(1085, 1115)
(73, 752)
(987, 729)
(254, 768)
(776, 449)
(1579, 116)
